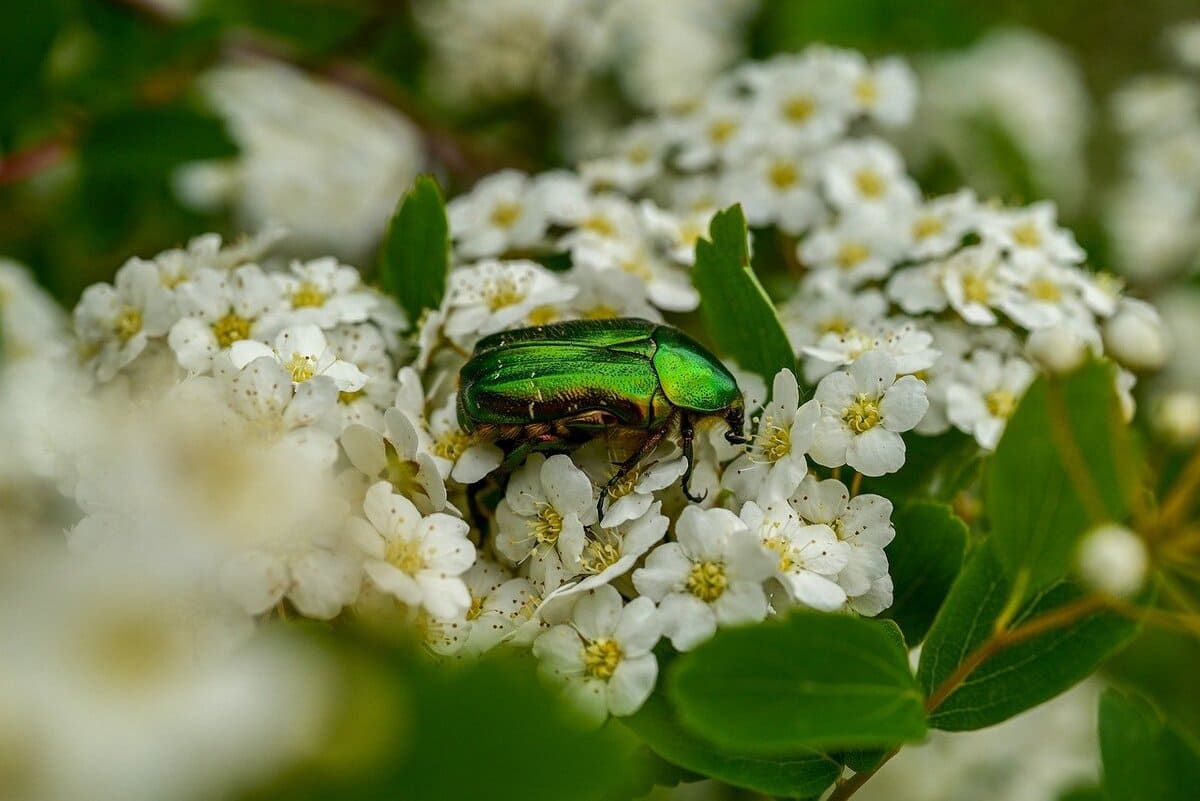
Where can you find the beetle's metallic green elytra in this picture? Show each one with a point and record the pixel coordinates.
(553, 385)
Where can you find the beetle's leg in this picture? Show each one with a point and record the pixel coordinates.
(687, 433)
(648, 445)
(518, 454)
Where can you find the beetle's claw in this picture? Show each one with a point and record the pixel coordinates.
(694, 498)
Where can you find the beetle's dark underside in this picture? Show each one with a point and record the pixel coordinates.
(551, 387)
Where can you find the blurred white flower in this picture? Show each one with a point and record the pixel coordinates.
(1136, 337)
(1113, 560)
(985, 394)
(115, 322)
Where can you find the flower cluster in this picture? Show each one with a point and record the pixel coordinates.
(284, 431)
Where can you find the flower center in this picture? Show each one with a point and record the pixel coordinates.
(543, 315)
(866, 91)
(837, 324)
(707, 581)
(131, 649)
(476, 607)
(1027, 235)
(405, 555)
(505, 214)
(128, 323)
(1045, 289)
(975, 288)
(599, 224)
(601, 311)
(401, 473)
(798, 109)
(850, 254)
(862, 415)
(639, 154)
(601, 553)
(348, 397)
(502, 293)
(870, 183)
(452, 444)
(547, 525)
(308, 294)
(230, 328)
(600, 658)
(301, 366)
(1000, 403)
(777, 443)
(783, 174)
(720, 131)
(928, 226)
(779, 546)
(638, 268)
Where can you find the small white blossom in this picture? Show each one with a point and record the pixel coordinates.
(712, 575)
(501, 213)
(863, 412)
(986, 394)
(115, 322)
(305, 354)
(418, 559)
(867, 173)
(808, 558)
(604, 657)
(775, 458)
(493, 295)
(325, 293)
(1114, 560)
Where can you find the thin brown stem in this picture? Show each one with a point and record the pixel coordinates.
(856, 483)
(1182, 493)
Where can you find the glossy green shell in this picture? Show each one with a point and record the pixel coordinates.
(632, 372)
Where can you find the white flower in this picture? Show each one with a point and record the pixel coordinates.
(418, 559)
(325, 293)
(633, 161)
(366, 347)
(263, 392)
(808, 558)
(939, 225)
(499, 214)
(867, 173)
(304, 353)
(115, 322)
(775, 458)
(775, 188)
(1031, 232)
(863, 412)
(1135, 336)
(861, 246)
(500, 606)
(604, 656)
(818, 310)
(456, 454)
(397, 456)
(975, 284)
(612, 552)
(863, 522)
(219, 308)
(493, 295)
(985, 394)
(802, 101)
(1177, 417)
(716, 132)
(666, 285)
(630, 498)
(1114, 560)
(545, 508)
(316, 575)
(909, 345)
(1057, 349)
(605, 294)
(712, 575)
(886, 91)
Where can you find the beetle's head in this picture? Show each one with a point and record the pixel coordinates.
(735, 418)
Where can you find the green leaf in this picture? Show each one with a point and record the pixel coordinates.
(737, 312)
(812, 680)
(410, 728)
(934, 467)
(802, 775)
(1145, 757)
(415, 255)
(1022, 675)
(147, 143)
(1036, 511)
(924, 559)
(27, 31)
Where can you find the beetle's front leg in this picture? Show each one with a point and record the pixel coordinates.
(687, 433)
(648, 445)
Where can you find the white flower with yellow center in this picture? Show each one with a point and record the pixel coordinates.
(863, 412)
(664, 284)
(939, 225)
(886, 91)
(499, 214)
(493, 295)
(636, 159)
(1031, 232)
(612, 552)
(502, 608)
(603, 657)
(775, 187)
(776, 454)
(305, 354)
(546, 505)
(818, 310)
(115, 322)
(806, 559)
(366, 347)
(985, 394)
(712, 575)
(605, 294)
(864, 523)
(457, 454)
(976, 284)
(801, 101)
(714, 133)
(219, 308)
(326, 293)
(417, 558)
(868, 173)
(397, 457)
(861, 246)
(899, 337)
(631, 497)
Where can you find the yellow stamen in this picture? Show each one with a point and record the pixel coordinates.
(601, 658)
(707, 581)
(862, 415)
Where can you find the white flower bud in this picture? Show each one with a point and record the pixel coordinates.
(1113, 559)
(1058, 349)
(1177, 417)
(1135, 336)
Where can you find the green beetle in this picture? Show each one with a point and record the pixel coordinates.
(553, 385)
